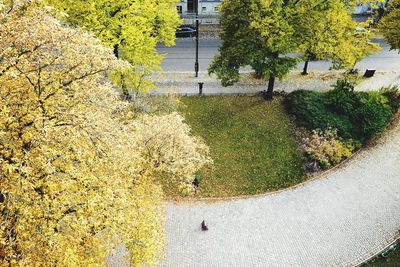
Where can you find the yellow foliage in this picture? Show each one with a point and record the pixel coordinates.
(78, 172)
(326, 148)
(355, 45)
(133, 28)
(390, 24)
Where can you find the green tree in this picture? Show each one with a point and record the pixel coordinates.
(261, 34)
(320, 28)
(390, 25)
(325, 30)
(354, 46)
(132, 28)
(255, 33)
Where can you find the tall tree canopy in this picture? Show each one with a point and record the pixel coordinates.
(78, 171)
(261, 34)
(255, 33)
(132, 28)
(354, 46)
(326, 30)
(390, 25)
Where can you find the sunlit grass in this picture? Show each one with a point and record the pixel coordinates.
(252, 143)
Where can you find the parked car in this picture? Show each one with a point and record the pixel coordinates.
(185, 32)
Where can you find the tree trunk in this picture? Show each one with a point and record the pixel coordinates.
(125, 93)
(271, 82)
(116, 48)
(269, 94)
(305, 68)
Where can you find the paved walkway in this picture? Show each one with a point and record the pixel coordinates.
(337, 220)
(184, 83)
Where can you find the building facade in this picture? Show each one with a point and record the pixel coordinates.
(211, 7)
(209, 10)
(206, 7)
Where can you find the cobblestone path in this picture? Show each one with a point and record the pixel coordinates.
(340, 219)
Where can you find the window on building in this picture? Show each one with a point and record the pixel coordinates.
(203, 9)
(179, 8)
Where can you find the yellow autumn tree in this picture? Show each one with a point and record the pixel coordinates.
(79, 173)
(326, 31)
(132, 28)
(390, 25)
(354, 46)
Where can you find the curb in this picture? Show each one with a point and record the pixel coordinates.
(376, 252)
(377, 141)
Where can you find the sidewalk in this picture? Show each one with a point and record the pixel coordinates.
(184, 83)
(341, 219)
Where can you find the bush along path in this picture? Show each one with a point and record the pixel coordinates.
(254, 145)
(340, 219)
(341, 120)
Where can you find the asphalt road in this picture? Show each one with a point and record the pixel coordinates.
(181, 57)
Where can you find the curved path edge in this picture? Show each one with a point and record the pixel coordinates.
(380, 250)
(341, 219)
(320, 175)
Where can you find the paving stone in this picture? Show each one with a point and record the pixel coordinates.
(337, 220)
(184, 83)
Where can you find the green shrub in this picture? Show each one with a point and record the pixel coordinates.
(356, 115)
(311, 111)
(373, 114)
(393, 95)
(341, 99)
(308, 107)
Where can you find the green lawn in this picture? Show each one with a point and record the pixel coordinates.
(252, 143)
